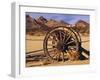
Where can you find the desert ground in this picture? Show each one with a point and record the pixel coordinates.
(34, 46)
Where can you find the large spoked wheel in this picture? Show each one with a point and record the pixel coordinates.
(59, 41)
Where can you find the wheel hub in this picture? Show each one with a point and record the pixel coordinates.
(61, 47)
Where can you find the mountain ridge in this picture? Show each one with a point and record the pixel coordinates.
(43, 25)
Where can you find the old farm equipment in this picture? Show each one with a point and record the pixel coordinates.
(59, 42)
(63, 40)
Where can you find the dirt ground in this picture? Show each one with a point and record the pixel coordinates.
(35, 44)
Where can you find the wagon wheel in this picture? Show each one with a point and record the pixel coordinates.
(58, 42)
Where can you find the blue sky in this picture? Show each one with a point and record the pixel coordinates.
(70, 18)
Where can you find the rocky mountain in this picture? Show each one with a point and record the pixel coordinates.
(41, 25)
(42, 20)
(36, 25)
(53, 23)
(31, 24)
(82, 27)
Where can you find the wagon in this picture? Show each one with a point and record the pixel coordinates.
(60, 41)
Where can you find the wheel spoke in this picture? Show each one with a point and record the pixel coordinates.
(55, 37)
(64, 36)
(51, 44)
(68, 37)
(51, 49)
(54, 54)
(60, 36)
(70, 42)
(63, 56)
(51, 38)
(72, 47)
(58, 55)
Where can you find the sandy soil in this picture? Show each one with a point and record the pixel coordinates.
(79, 62)
(34, 43)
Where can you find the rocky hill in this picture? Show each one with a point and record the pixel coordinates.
(82, 27)
(41, 25)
